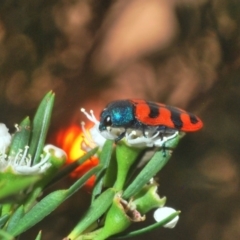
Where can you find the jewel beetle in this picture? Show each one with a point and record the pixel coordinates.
(140, 114)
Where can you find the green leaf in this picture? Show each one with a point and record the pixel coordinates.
(106, 153)
(4, 219)
(11, 184)
(49, 176)
(99, 206)
(30, 199)
(39, 236)
(50, 203)
(157, 162)
(105, 158)
(111, 171)
(76, 186)
(70, 167)
(41, 123)
(14, 220)
(20, 137)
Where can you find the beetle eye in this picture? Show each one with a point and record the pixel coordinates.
(107, 121)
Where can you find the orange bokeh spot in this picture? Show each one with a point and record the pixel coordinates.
(70, 140)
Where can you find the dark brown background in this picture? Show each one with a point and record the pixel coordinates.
(180, 52)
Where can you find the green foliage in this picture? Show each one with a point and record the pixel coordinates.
(41, 123)
(123, 211)
(20, 209)
(118, 199)
(12, 184)
(48, 204)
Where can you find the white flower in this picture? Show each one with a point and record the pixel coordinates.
(164, 212)
(5, 138)
(21, 163)
(151, 137)
(93, 137)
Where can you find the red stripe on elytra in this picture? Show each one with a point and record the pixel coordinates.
(187, 125)
(142, 112)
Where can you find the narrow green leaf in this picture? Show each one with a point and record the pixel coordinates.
(157, 162)
(4, 219)
(111, 171)
(99, 206)
(106, 153)
(70, 167)
(39, 236)
(20, 137)
(11, 184)
(41, 123)
(105, 158)
(76, 186)
(14, 220)
(31, 198)
(50, 203)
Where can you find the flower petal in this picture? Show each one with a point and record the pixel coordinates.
(5, 137)
(162, 213)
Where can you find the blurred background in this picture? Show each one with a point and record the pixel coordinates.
(184, 53)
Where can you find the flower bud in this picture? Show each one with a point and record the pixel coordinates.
(162, 213)
(57, 155)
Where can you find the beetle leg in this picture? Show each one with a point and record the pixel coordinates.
(144, 132)
(121, 136)
(161, 130)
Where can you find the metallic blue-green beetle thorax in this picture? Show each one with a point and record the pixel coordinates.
(117, 114)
